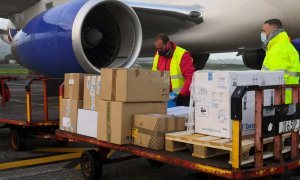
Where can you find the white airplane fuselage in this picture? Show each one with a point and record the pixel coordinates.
(228, 24)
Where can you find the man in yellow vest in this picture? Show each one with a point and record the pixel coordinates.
(280, 54)
(170, 57)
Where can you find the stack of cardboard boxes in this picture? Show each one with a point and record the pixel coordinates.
(126, 92)
(88, 116)
(78, 108)
(104, 106)
(71, 102)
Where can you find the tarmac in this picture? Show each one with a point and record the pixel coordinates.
(12, 164)
(47, 160)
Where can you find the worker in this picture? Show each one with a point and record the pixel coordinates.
(170, 57)
(280, 54)
(4, 92)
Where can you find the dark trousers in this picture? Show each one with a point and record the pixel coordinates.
(183, 101)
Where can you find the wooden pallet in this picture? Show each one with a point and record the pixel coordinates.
(209, 146)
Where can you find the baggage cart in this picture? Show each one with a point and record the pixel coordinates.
(31, 114)
(272, 127)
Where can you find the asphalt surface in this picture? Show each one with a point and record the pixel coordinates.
(137, 168)
(13, 165)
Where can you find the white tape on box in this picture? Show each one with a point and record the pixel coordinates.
(66, 122)
(93, 103)
(68, 108)
(71, 81)
(98, 84)
(88, 83)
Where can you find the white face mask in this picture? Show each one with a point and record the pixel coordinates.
(263, 37)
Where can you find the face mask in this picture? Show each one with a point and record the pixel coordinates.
(165, 53)
(263, 37)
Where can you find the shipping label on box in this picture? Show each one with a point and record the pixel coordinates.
(68, 114)
(92, 85)
(73, 86)
(135, 85)
(212, 92)
(87, 123)
(116, 118)
(149, 130)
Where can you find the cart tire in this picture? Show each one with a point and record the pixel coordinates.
(155, 163)
(17, 140)
(62, 142)
(190, 147)
(91, 167)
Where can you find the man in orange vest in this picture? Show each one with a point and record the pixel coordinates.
(170, 57)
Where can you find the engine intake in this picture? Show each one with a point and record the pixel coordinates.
(80, 36)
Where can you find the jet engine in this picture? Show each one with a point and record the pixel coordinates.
(80, 36)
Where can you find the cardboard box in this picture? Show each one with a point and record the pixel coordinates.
(213, 90)
(135, 85)
(87, 123)
(116, 118)
(73, 86)
(149, 130)
(91, 92)
(68, 114)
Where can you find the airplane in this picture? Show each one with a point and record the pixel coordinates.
(54, 37)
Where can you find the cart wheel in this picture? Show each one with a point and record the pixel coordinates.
(155, 163)
(91, 167)
(190, 147)
(17, 141)
(62, 142)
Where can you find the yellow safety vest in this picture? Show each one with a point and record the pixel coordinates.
(177, 78)
(282, 55)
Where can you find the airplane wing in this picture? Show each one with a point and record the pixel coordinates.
(166, 17)
(10, 7)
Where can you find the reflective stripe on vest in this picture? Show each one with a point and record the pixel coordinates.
(177, 78)
(296, 74)
(288, 80)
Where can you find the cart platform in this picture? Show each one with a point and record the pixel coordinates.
(217, 166)
(279, 163)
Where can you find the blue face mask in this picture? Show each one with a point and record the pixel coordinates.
(263, 37)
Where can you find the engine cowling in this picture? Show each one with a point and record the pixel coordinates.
(254, 59)
(80, 36)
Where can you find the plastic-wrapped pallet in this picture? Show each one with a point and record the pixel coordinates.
(212, 90)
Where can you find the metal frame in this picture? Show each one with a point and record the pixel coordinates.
(259, 169)
(216, 171)
(43, 129)
(236, 172)
(28, 121)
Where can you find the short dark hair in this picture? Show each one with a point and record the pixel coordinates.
(274, 22)
(165, 39)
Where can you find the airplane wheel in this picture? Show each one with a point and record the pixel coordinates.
(91, 167)
(17, 140)
(155, 163)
